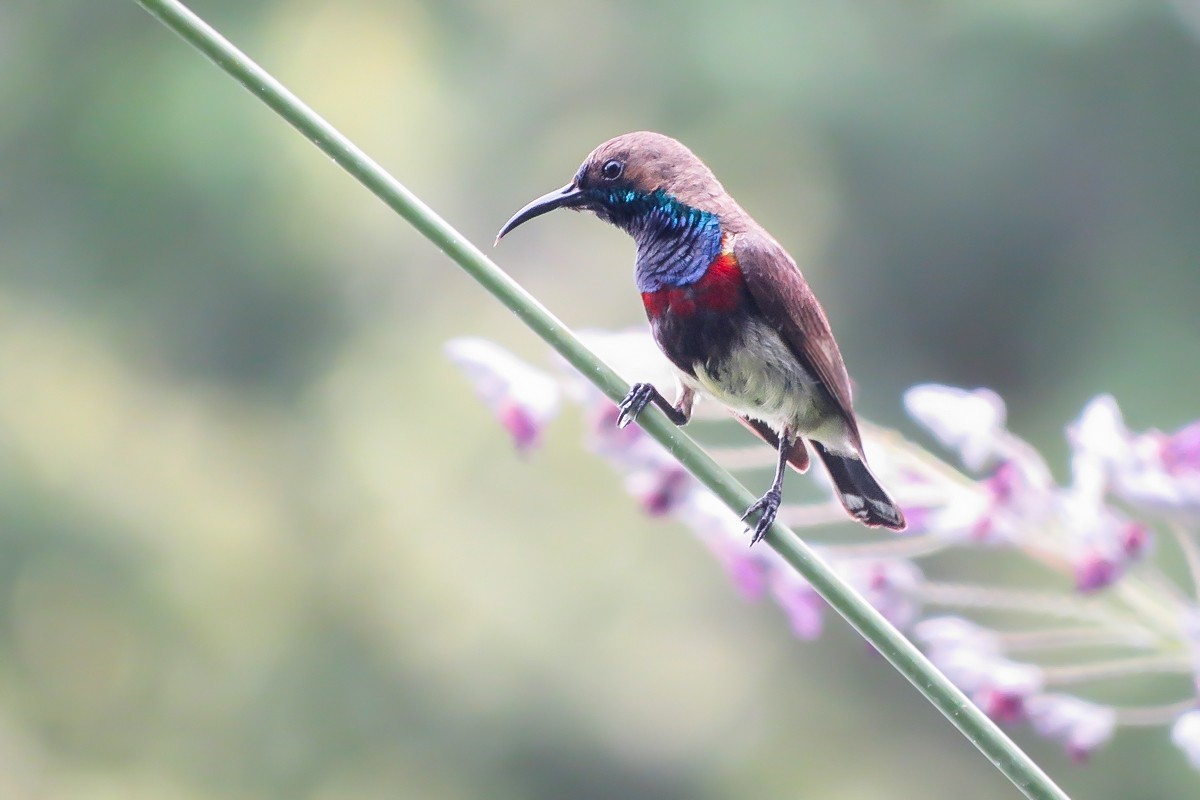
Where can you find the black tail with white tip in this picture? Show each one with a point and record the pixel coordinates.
(859, 492)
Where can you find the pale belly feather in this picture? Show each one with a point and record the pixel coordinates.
(762, 379)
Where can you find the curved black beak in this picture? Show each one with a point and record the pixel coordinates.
(567, 197)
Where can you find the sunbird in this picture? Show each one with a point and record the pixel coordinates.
(731, 311)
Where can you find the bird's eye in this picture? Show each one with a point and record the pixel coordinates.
(612, 170)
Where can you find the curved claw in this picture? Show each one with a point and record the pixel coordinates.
(640, 395)
(768, 505)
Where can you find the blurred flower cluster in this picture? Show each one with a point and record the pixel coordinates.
(1068, 598)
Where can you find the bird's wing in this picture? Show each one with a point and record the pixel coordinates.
(784, 298)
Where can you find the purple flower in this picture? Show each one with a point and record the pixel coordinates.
(1100, 445)
(1078, 529)
(1003, 704)
(749, 574)
(656, 479)
(889, 585)
(805, 608)
(661, 491)
(1006, 688)
(1095, 570)
(1170, 477)
(627, 448)
(724, 535)
(1134, 539)
(1103, 542)
(999, 509)
(977, 669)
(1081, 726)
(948, 633)
(753, 571)
(971, 422)
(1180, 452)
(1152, 470)
(964, 517)
(970, 656)
(1012, 502)
(524, 399)
(1185, 734)
(1019, 501)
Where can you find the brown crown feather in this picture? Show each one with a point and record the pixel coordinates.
(656, 162)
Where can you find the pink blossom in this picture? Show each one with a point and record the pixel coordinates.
(970, 656)
(524, 399)
(629, 447)
(1100, 445)
(1135, 539)
(1082, 727)
(805, 609)
(661, 491)
(1003, 704)
(976, 669)
(1094, 570)
(1169, 475)
(1185, 734)
(947, 633)
(1104, 542)
(653, 476)
(1005, 689)
(1018, 505)
(997, 510)
(1152, 470)
(965, 517)
(971, 422)
(1181, 451)
(890, 586)
(1003, 507)
(724, 535)
(1018, 501)
(749, 574)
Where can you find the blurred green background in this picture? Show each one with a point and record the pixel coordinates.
(258, 540)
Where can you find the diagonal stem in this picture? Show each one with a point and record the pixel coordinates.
(905, 657)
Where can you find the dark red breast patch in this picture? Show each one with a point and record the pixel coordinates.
(721, 290)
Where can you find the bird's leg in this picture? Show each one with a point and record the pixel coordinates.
(768, 504)
(642, 394)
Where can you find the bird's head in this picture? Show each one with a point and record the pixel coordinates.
(631, 176)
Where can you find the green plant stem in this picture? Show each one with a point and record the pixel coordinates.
(973, 724)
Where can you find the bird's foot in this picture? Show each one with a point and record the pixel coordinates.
(640, 395)
(768, 506)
